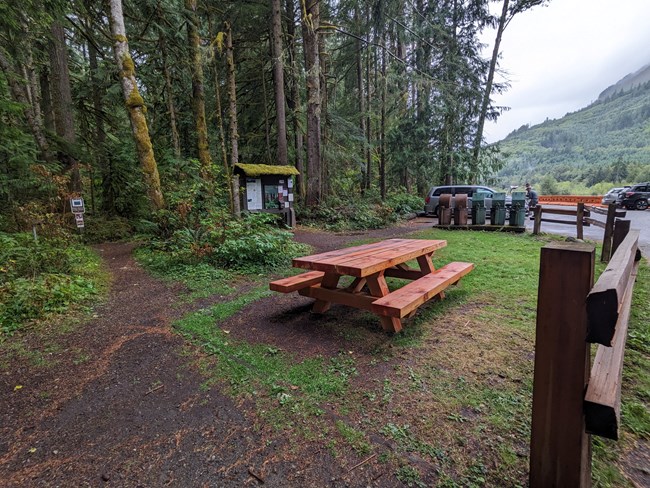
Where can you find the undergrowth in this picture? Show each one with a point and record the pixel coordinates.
(44, 277)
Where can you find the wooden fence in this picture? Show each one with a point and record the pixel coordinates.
(571, 401)
(582, 216)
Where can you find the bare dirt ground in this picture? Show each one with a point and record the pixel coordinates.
(119, 402)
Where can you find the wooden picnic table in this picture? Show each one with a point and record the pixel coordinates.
(369, 265)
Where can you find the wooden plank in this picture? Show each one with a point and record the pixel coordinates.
(560, 449)
(343, 297)
(621, 229)
(408, 298)
(603, 396)
(580, 215)
(537, 226)
(595, 222)
(363, 266)
(364, 262)
(330, 256)
(378, 288)
(293, 283)
(606, 253)
(560, 211)
(558, 221)
(597, 210)
(604, 300)
(404, 274)
(329, 281)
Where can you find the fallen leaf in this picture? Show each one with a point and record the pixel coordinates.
(18, 387)
(227, 331)
(32, 450)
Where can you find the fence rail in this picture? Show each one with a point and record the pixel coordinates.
(572, 400)
(583, 218)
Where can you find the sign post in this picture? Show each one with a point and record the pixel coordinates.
(78, 209)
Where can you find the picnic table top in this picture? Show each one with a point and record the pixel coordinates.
(361, 261)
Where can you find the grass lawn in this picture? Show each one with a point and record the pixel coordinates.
(451, 394)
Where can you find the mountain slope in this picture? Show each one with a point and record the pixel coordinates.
(628, 82)
(607, 141)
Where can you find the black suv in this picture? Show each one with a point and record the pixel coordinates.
(636, 197)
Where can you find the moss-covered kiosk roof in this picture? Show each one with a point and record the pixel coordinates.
(254, 170)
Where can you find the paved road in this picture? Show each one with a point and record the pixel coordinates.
(640, 220)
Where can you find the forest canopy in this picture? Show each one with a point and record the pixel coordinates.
(143, 106)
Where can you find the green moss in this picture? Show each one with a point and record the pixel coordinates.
(128, 67)
(119, 38)
(266, 169)
(135, 99)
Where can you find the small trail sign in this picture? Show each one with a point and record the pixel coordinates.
(79, 220)
(77, 206)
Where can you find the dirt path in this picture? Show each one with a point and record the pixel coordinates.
(118, 402)
(119, 405)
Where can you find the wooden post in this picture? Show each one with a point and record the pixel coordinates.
(621, 228)
(560, 451)
(609, 230)
(236, 205)
(538, 219)
(580, 215)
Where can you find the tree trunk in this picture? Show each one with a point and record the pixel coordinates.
(278, 80)
(488, 92)
(267, 128)
(19, 94)
(232, 98)
(368, 124)
(293, 101)
(135, 106)
(198, 96)
(46, 100)
(310, 24)
(62, 103)
(171, 108)
(382, 129)
(360, 93)
(100, 135)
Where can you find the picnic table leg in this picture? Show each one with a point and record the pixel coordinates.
(378, 288)
(330, 280)
(426, 265)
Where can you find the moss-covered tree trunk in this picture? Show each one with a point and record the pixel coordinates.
(232, 98)
(293, 101)
(198, 95)
(278, 80)
(62, 103)
(310, 24)
(135, 106)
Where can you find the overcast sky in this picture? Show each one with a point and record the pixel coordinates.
(559, 58)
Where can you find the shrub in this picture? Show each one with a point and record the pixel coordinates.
(105, 229)
(40, 278)
(249, 244)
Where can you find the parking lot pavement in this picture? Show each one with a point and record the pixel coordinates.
(639, 220)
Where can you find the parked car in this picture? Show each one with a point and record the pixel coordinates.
(612, 195)
(432, 198)
(636, 197)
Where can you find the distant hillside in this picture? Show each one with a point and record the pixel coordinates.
(628, 82)
(607, 141)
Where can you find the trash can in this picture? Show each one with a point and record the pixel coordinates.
(518, 209)
(460, 209)
(478, 208)
(498, 211)
(444, 210)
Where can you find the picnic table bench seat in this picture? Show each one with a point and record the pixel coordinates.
(405, 300)
(293, 283)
